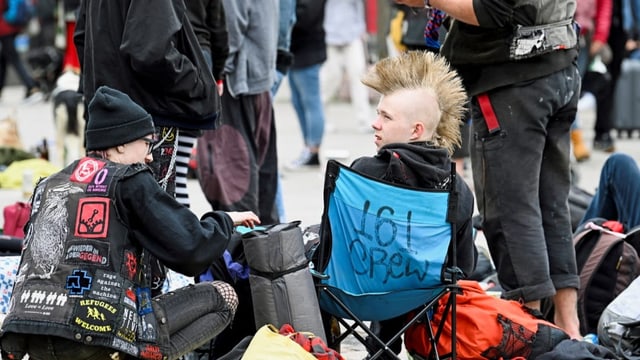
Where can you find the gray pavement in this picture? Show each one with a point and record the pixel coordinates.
(302, 190)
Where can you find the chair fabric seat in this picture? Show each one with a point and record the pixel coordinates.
(378, 306)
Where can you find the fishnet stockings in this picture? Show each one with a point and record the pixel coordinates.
(228, 294)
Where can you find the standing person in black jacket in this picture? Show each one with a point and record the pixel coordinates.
(83, 290)
(208, 21)
(148, 49)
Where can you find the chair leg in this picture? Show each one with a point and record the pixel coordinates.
(385, 348)
(449, 308)
(351, 329)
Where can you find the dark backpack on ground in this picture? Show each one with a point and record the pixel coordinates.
(577, 350)
(579, 200)
(607, 264)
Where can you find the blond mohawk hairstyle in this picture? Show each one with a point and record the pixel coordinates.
(425, 70)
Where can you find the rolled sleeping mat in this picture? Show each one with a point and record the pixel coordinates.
(282, 287)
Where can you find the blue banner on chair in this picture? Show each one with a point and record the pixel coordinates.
(389, 246)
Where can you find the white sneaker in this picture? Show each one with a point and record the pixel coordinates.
(307, 159)
(34, 96)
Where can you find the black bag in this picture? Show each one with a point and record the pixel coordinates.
(413, 24)
(577, 350)
(607, 264)
(579, 200)
(281, 284)
(10, 245)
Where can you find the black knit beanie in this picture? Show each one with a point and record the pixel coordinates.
(114, 119)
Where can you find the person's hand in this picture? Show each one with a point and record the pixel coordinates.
(220, 87)
(244, 218)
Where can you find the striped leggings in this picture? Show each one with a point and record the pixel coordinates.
(170, 161)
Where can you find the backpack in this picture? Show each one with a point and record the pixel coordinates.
(579, 200)
(607, 264)
(19, 12)
(413, 27)
(487, 328)
(619, 325)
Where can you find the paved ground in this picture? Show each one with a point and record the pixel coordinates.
(302, 190)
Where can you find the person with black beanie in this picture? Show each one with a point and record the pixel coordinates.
(83, 290)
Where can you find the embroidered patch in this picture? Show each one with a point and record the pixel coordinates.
(87, 252)
(125, 346)
(147, 328)
(86, 169)
(164, 158)
(151, 352)
(144, 301)
(130, 264)
(45, 302)
(100, 183)
(128, 325)
(95, 315)
(92, 220)
(130, 298)
(78, 282)
(107, 286)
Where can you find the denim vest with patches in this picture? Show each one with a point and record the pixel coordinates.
(80, 275)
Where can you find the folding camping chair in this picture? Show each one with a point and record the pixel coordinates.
(383, 253)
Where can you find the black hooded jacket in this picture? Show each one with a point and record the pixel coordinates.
(148, 50)
(209, 23)
(424, 166)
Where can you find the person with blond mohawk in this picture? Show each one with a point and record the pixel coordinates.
(415, 132)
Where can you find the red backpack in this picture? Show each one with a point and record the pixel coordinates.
(487, 328)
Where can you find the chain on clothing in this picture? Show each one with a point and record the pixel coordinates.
(165, 181)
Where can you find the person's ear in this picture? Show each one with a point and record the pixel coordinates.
(418, 131)
(120, 149)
